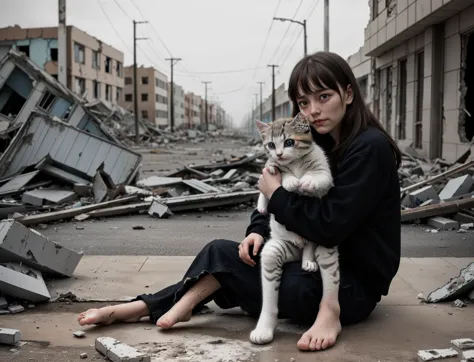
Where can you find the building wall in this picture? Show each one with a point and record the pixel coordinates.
(161, 89)
(417, 69)
(178, 95)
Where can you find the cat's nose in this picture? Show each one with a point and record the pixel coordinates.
(279, 154)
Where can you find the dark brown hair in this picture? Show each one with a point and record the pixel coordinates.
(329, 70)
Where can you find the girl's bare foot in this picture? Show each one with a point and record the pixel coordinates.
(176, 314)
(127, 312)
(325, 330)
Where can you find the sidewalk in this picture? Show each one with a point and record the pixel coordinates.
(398, 328)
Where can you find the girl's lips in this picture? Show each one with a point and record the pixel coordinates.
(319, 122)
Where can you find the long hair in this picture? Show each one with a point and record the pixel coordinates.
(324, 70)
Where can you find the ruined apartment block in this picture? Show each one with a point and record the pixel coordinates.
(416, 69)
(178, 100)
(93, 67)
(152, 92)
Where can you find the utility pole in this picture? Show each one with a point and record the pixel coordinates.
(172, 62)
(62, 43)
(205, 104)
(135, 80)
(273, 66)
(256, 106)
(326, 25)
(261, 103)
(303, 24)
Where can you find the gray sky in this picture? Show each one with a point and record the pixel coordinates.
(209, 36)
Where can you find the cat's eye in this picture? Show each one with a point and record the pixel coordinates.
(271, 145)
(289, 143)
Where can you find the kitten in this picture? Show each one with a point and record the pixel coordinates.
(304, 169)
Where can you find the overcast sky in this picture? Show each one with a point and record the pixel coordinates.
(210, 36)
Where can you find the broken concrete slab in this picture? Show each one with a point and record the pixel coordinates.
(157, 181)
(23, 282)
(17, 184)
(463, 343)
(434, 354)
(468, 356)
(79, 334)
(9, 336)
(15, 309)
(457, 187)
(84, 190)
(200, 186)
(457, 287)
(57, 171)
(416, 198)
(19, 243)
(157, 209)
(117, 351)
(38, 197)
(442, 223)
(100, 188)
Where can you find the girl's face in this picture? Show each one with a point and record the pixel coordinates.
(325, 109)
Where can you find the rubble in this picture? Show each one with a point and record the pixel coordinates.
(9, 336)
(463, 343)
(457, 287)
(117, 351)
(434, 354)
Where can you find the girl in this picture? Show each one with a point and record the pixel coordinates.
(360, 214)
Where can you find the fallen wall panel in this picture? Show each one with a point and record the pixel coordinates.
(41, 136)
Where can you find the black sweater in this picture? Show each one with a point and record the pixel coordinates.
(360, 214)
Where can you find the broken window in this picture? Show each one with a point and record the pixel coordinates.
(467, 111)
(108, 92)
(420, 78)
(118, 94)
(95, 60)
(144, 97)
(128, 80)
(24, 49)
(79, 52)
(118, 69)
(108, 65)
(402, 100)
(145, 114)
(46, 101)
(79, 85)
(96, 86)
(15, 92)
(128, 97)
(144, 80)
(375, 9)
(53, 53)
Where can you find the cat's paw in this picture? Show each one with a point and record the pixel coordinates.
(291, 184)
(272, 169)
(262, 210)
(309, 266)
(261, 335)
(308, 184)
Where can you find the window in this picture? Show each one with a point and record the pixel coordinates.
(420, 65)
(145, 114)
(79, 85)
(96, 88)
(118, 69)
(108, 65)
(24, 49)
(108, 92)
(53, 53)
(375, 9)
(160, 84)
(46, 101)
(128, 97)
(402, 100)
(118, 94)
(144, 97)
(128, 80)
(95, 60)
(144, 80)
(79, 53)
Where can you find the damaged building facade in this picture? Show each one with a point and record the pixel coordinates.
(94, 69)
(416, 70)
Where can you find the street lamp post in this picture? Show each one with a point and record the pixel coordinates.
(302, 23)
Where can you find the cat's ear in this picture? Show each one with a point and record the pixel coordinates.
(300, 123)
(262, 126)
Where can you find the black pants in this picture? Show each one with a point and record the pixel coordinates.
(299, 296)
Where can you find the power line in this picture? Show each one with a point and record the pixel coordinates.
(113, 27)
(226, 71)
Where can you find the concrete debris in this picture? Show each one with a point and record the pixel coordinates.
(434, 354)
(468, 356)
(23, 282)
(463, 343)
(157, 209)
(458, 287)
(459, 303)
(9, 336)
(79, 334)
(117, 351)
(39, 196)
(433, 190)
(15, 309)
(83, 355)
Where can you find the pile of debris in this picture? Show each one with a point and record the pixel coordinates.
(440, 193)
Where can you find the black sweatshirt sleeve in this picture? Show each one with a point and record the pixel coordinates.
(259, 224)
(358, 187)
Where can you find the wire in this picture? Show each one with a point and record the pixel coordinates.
(113, 27)
(226, 71)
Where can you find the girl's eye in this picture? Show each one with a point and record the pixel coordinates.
(289, 143)
(303, 103)
(324, 97)
(271, 145)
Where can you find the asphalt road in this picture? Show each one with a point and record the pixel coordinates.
(186, 234)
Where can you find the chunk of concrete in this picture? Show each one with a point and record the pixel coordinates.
(117, 351)
(456, 187)
(3, 303)
(9, 336)
(468, 356)
(463, 343)
(157, 209)
(434, 354)
(19, 243)
(23, 282)
(15, 309)
(158, 181)
(457, 287)
(79, 334)
(40, 196)
(442, 223)
(416, 198)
